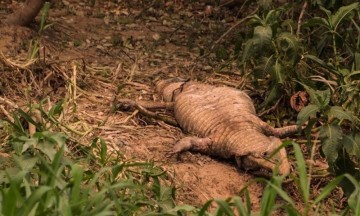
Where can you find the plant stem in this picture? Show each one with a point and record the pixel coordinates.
(334, 49)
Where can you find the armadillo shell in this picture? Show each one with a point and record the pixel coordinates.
(222, 114)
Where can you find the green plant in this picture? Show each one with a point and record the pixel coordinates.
(323, 58)
(35, 43)
(46, 179)
(270, 204)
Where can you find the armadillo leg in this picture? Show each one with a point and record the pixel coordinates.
(127, 104)
(271, 131)
(201, 145)
(286, 131)
(143, 107)
(278, 132)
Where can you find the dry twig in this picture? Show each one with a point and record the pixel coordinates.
(300, 18)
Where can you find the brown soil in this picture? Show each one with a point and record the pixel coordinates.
(129, 45)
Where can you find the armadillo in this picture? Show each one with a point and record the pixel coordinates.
(225, 123)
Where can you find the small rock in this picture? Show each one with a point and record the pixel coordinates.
(207, 68)
(156, 36)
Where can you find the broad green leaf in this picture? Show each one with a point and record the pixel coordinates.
(320, 98)
(330, 136)
(307, 112)
(317, 21)
(341, 13)
(262, 36)
(287, 42)
(29, 143)
(352, 144)
(324, 97)
(340, 113)
(25, 162)
(47, 148)
(56, 138)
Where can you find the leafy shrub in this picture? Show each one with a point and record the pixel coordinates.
(320, 52)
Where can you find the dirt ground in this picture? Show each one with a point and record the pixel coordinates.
(118, 49)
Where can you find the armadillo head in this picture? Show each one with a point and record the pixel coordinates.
(167, 88)
(263, 164)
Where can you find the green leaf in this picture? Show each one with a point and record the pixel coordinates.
(287, 42)
(28, 118)
(354, 198)
(25, 162)
(224, 206)
(307, 112)
(29, 143)
(341, 13)
(282, 193)
(181, 208)
(326, 191)
(271, 17)
(327, 12)
(330, 136)
(278, 72)
(340, 113)
(352, 144)
(205, 207)
(103, 151)
(357, 61)
(322, 63)
(77, 174)
(317, 21)
(56, 138)
(33, 200)
(45, 147)
(56, 109)
(320, 98)
(303, 178)
(240, 206)
(248, 50)
(262, 36)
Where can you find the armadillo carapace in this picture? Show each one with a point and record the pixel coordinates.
(226, 125)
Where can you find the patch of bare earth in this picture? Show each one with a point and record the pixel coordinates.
(118, 50)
